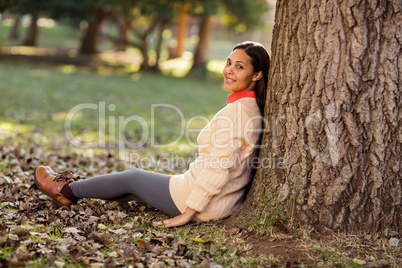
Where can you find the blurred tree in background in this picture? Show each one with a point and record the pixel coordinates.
(19, 7)
(139, 24)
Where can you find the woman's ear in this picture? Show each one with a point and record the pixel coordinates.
(257, 76)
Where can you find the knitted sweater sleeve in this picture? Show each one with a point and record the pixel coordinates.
(225, 141)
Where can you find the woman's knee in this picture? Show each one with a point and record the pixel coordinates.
(132, 173)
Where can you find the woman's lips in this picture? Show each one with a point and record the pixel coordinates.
(229, 81)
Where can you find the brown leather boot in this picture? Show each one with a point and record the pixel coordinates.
(56, 186)
(51, 171)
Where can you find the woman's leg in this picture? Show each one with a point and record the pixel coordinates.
(151, 187)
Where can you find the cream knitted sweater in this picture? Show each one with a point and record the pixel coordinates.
(214, 184)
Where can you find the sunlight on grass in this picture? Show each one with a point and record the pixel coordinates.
(8, 22)
(135, 76)
(39, 73)
(46, 23)
(44, 100)
(68, 69)
(177, 67)
(86, 138)
(30, 51)
(102, 70)
(118, 57)
(7, 129)
(132, 68)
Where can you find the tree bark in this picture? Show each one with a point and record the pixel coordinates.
(201, 51)
(15, 30)
(32, 33)
(89, 44)
(333, 140)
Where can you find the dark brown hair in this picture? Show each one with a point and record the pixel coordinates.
(260, 59)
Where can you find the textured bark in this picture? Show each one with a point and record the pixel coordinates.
(32, 33)
(333, 142)
(201, 51)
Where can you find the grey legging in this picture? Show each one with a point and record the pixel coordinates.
(135, 184)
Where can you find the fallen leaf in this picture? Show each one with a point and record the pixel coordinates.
(118, 231)
(129, 225)
(142, 244)
(157, 265)
(59, 263)
(393, 242)
(7, 179)
(359, 262)
(234, 231)
(180, 247)
(198, 240)
(102, 226)
(157, 250)
(76, 252)
(64, 249)
(86, 262)
(72, 230)
(113, 254)
(103, 238)
(282, 226)
(121, 215)
(210, 246)
(66, 241)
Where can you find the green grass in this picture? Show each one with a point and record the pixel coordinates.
(36, 98)
(58, 36)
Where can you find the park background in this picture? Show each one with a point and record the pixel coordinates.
(113, 72)
(47, 71)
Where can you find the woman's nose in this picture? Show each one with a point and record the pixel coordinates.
(230, 69)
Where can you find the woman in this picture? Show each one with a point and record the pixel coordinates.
(215, 182)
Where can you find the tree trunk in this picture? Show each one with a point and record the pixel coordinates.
(145, 58)
(181, 33)
(201, 51)
(121, 44)
(332, 149)
(159, 42)
(32, 33)
(15, 30)
(89, 43)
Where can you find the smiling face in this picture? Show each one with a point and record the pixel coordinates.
(239, 73)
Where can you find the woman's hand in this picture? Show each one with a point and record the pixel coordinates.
(179, 220)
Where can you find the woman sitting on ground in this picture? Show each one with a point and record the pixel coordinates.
(216, 181)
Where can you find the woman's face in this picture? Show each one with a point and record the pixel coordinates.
(239, 73)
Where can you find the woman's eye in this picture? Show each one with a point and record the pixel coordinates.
(228, 63)
(240, 67)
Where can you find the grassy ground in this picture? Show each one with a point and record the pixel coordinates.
(123, 108)
(36, 101)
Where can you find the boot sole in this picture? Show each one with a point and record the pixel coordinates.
(54, 202)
